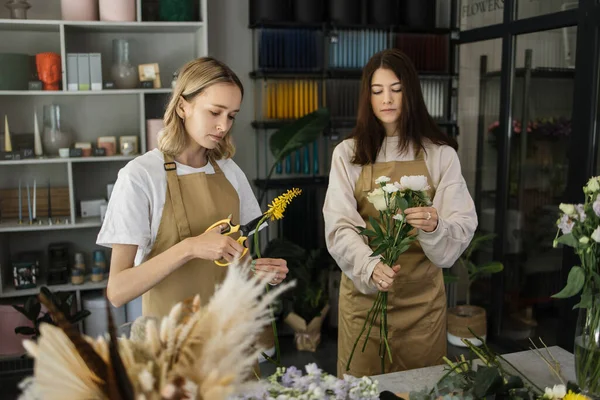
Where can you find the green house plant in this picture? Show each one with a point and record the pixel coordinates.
(306, 305)
(464, 320)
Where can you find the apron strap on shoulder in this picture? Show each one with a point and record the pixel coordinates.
(174, 193)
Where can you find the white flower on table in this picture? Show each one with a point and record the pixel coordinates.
(377, 198)
(416, 183)
(568, 209)
(596, 235)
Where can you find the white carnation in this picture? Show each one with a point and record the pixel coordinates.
(390, 188)
(382, 179)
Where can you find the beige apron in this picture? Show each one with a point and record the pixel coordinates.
(416, 301)
(193, 202)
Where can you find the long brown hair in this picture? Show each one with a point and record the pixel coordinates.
(415, 124)
(195, 77)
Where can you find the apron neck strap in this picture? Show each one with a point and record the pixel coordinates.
(174, 191)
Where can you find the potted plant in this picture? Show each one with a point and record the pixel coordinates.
(307, 304)
(465, 318)
(32, 309)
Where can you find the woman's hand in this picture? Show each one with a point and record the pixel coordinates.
(423, 218)
(268, 266)
(212, 245)
(383, 276)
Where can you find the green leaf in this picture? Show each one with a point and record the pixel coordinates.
(401, 203)
(375, 226)
(32, 307)
(514, 382)
(450, 278)
(568, 240)
(379, 251)
(298, 134)
(79, 316)
(585, 302)
(366, 232)
(487, 381)
(24, 330)
(491, 267)
(575, 283)
(377, 241)
(21, 309)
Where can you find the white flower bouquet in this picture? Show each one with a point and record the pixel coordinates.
(390, 236)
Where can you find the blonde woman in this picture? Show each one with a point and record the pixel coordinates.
(164, 200)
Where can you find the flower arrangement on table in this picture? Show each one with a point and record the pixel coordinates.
(196, 352)
(579, 228)
(390, 236)
(291, 383)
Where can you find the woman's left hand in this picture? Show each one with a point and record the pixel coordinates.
(268, 266)
(424, 218)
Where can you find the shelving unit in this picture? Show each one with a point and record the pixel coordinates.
(299, 67)
(87, 115)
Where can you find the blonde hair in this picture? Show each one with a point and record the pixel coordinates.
(194, 77)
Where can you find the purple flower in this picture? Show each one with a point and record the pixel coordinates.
(565, 224)
(291, 373)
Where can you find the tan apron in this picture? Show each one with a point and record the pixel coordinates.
(193, 202)
(416, 301)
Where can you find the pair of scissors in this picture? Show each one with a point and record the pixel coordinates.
(227, 228)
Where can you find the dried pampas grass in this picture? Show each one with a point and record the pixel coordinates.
(196, 352)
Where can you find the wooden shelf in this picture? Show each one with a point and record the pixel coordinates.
(80, 223)
(67, 287)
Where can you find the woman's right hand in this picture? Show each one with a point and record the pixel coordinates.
(383, 276)
(212, 245)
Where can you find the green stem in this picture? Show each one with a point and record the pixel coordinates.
(374, 316)
(273, 323)
(364, 327)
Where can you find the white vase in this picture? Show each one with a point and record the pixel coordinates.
(117, 10)
(79, 10)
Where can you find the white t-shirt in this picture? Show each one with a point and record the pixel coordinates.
(138, 197)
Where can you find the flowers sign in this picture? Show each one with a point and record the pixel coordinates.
(389, 235)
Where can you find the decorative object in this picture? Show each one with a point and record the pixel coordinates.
(78, 270)
(108, 143)
(49, 70)
(15, 71)
(54, 135)
(153, 129)
(7, 141)
(270, 11)
(18, 8)
(309, 11)
(37, 140)
(174, 80)
(58, 263)
(291, 383)
(123, 73)
(117, 10)
(579, 228)
(99, 266)
(85, 148)
(128, 145)
(304, 307)
(178, 10)
(390, 235)
(198, 351)
(32, 309)
(24, 275)
(150, 72)
(79, 10)
(464, 319)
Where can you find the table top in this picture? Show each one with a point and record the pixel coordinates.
(527, 362)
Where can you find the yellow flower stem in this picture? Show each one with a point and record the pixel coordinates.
(277, 361)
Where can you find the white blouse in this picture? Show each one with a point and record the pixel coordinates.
(455, 207)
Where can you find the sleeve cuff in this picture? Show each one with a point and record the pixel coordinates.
(366, 276)
(433, 236)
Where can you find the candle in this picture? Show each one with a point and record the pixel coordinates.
(34, 200)
(28, 203)
(20, 203)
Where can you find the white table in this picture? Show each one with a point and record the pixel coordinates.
(527, 362)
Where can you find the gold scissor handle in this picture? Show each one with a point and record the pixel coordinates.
(241, 240)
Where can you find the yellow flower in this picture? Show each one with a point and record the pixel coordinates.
(575, 396)
(279, 204)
